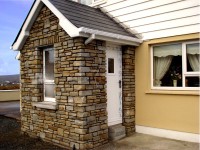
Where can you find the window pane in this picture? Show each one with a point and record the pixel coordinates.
(193, 57)
(110, 65)
(49, 65)
(49, 90)
(86, 2)
(192, 82)
(167, 50)
(167, 71)
(167, 65)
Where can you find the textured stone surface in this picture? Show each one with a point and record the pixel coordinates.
(80, 118)
(81, 99)
(128, 88)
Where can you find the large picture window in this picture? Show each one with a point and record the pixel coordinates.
(48, 73)
(176, 66)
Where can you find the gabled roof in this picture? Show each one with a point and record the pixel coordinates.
(77, 20)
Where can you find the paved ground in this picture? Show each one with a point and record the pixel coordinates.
(146, 142)
(10, 109)
(134, 142)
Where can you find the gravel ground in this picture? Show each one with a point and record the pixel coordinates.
(11, 139)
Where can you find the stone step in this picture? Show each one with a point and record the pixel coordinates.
(116, 132)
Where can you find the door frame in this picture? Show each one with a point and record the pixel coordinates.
(117, 47)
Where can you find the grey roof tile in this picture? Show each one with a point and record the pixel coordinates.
(84, 16)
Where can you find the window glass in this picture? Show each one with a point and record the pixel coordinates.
(48, 70)
(176, 65)
(193, 57)
(49, 65)
(167, 65)
(86, 2)
(110, 65)
(49, 90)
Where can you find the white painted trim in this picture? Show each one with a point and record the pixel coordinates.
(111, 37)
(18, 56)
(184, 72)
(27, 25)
(71, 29)
(46, 105)
(183, 136)
(63, 22)
(92, 37)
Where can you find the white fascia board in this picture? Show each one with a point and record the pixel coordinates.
(27, 25)
(71, 29)
(18, 56)
(63, 22)
(112, 37)
(20, 40)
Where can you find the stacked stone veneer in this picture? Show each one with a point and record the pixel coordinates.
(128, 88)
(80, 87)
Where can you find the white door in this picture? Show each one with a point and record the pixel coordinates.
(114, 84)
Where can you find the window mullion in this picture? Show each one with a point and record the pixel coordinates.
(184, 63)
(152, 68)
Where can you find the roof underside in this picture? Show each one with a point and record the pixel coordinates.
(84, 16)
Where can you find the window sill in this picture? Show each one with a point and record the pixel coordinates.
(46, 105)
(168, 92)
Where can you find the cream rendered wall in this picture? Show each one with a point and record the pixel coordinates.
(9, 95)
(171, 110)
(159, 22)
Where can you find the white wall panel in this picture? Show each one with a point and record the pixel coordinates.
(168, 24)
(171, 32)
(143, 7)
(165, 17)
(114, 5)
(156, 18)
(158, 10)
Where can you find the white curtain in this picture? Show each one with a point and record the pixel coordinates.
(167, 50)
(193, 56)
(163, 56)
(194, 61)
(161, 66)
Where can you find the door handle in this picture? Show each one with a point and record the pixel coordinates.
(120, 84)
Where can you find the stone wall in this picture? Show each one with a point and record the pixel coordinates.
(128, 88)
(81, 117)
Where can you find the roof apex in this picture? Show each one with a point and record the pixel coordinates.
(70, 26)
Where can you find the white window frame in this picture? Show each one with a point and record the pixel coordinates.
(98, 2)
(184, 68)
(45, 81)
